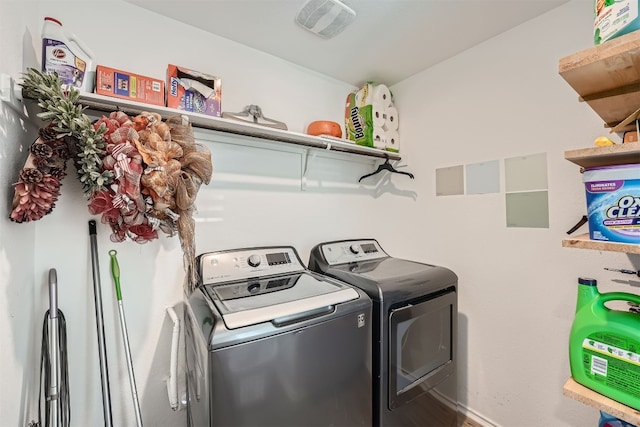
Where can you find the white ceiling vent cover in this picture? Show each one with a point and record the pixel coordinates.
(325, 18)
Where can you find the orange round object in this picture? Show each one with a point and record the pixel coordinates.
(324, 127)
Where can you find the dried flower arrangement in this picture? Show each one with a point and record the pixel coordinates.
(140, 174)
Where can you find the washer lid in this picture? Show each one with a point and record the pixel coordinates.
(268, 299)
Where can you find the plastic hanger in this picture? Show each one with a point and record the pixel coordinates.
(388, 167)
(580, 223)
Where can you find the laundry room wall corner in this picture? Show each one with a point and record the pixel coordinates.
(20, 286)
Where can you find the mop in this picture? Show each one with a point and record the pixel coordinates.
(115, 272)
(102, 348)
(54, 363)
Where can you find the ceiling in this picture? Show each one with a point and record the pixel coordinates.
(388, 41)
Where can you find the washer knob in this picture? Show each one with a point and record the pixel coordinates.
(253, 260)
(354, 249)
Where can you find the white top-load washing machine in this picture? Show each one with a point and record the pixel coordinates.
(270, 343)
(415, 309)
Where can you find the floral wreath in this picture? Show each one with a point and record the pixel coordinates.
(141, 174)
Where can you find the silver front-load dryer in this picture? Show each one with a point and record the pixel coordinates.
(269, 343)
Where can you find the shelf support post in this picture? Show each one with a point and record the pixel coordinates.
(307, 159)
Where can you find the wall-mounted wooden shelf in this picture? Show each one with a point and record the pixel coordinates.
(584, 242)
(619, 154)
(589, 397)
(607, 77)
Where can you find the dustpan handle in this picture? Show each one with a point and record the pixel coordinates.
(53, 293)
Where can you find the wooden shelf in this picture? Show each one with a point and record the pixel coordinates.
(589, 397)
(100, 103)
(607, 77)
(604, 156)
(583, 241)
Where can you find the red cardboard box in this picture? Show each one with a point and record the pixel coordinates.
(123, 84)
(190, 90)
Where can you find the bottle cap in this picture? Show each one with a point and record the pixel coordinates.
(587, 281)
(48, 18)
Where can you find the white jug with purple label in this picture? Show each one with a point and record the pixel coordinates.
(63, 53)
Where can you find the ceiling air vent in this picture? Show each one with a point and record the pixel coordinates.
(325, 18)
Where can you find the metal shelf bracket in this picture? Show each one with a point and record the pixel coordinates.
(307, 159)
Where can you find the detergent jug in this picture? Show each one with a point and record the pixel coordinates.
(604, 345)
(63, 53)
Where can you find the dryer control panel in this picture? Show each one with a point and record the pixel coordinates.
(226, 266)
(352, 250)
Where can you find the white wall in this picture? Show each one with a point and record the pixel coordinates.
(22, 314)
(498, 100)
(502, 99)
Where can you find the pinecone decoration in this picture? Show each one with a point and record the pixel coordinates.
(48, 133)
(41, 150)
(39, 184)
(32, 201)
(39, 163)
(60, 148)
(67, 118)
(31, 175)
(58, 172)
(58, 142)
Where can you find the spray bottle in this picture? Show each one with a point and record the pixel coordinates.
(604, 344)
(63, 53)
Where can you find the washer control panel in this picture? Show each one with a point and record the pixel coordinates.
(351, 251)
(226, 266)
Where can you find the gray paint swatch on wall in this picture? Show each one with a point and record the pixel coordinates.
(526, 173)
(528, 209)
(483, 178)
(450, 181)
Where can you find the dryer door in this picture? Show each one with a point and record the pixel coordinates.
(422, 346)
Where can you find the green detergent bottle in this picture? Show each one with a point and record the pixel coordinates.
(604, 346)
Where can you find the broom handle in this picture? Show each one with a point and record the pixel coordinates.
(102, 350)
(53, 349)
(115, 272)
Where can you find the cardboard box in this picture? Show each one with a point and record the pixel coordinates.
(123, 84)
(193, 91)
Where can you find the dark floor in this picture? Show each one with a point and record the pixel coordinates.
(467, 422)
